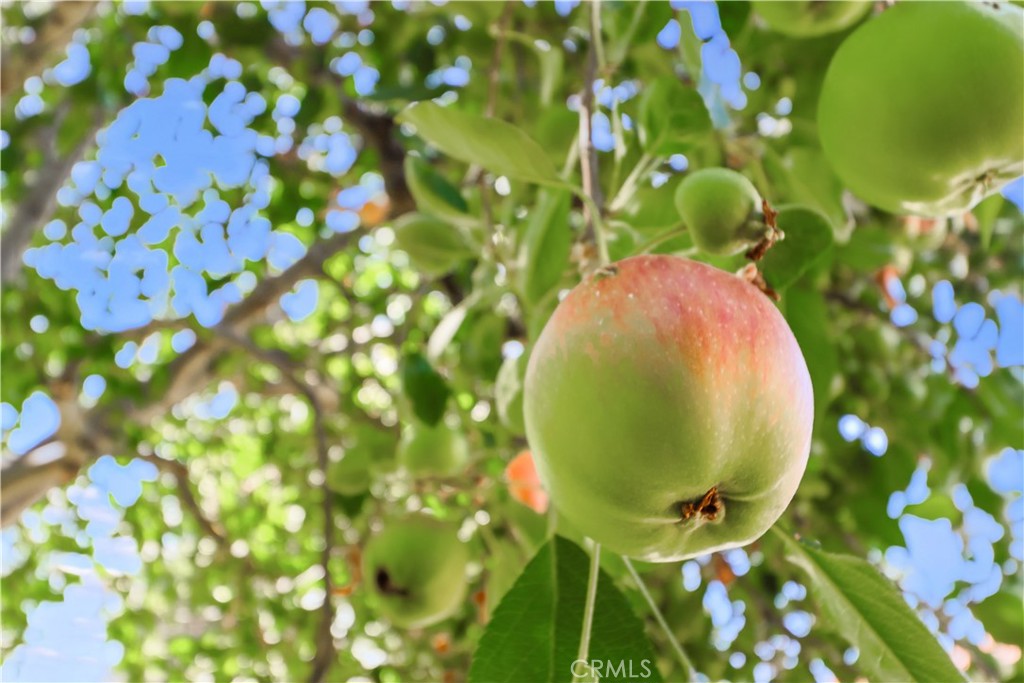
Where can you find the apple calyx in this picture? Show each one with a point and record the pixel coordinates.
(387, 587)
(707, 508)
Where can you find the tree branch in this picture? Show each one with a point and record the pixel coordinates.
(52, 34)
(592, 234)
(86, 434)
(39, 203)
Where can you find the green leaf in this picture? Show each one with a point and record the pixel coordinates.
(434, 195)
(808, 317)
(866, 608)
(433, 246)
(986, 214)
(534, 634)
(508, 393)
(870, 246)
(808, 236)
(496, 145)
(805, 177)
(671, 113)
(652, 210)
(546, 245)
(425, 388)
(552, 64)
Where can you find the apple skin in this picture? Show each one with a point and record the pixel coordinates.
(437, 450)
(920, 109)
(524, 484)
(721, 210)
(657, 380)
(811, 18)
(414, 571)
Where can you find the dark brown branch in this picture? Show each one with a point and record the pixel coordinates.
(588, 153)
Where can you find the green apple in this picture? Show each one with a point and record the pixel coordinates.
(811, 18)
(415, 571)
(921, 108)
(668, 408)
(721, 209)
(438, 450)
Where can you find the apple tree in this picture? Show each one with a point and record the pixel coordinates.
(512, 341)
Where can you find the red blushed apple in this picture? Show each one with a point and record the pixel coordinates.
(668, 408)
(524, 484)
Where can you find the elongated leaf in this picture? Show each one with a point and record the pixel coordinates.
(434, 195)
(808, 236)
(425, 388)
(496, 145)
(434, 246)
(986, 214)
(808, 317)
(552, 64)
(546, 244)
(534, 634)
(807, 178)
(894, 643)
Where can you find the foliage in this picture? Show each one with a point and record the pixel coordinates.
(246, 245)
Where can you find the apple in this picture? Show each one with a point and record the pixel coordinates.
(668, 409)
(721, 209)
(524, 483)
(921, 108)
(437, 450)
(415, 571)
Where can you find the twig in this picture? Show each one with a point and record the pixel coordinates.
(325, 650)
(179, 471)
(583, 654)
(494, 70)
(211, 527)
(684, 660)
(593, 201)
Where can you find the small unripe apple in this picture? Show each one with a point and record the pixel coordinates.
(721, 209)
(668, 409)
(415, 571)
(811, 18)
(438, 450)
(524, 483)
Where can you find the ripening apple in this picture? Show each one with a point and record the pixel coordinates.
(668, 408)
(437, 450)
(415, 571)
(524, 483)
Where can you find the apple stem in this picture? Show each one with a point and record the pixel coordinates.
(684, 660)
(588, 608)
